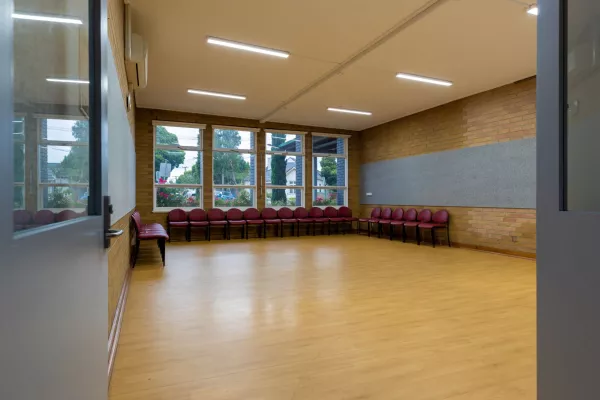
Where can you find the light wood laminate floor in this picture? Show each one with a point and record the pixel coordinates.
(327, 318)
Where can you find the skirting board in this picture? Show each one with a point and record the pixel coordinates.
(522, 254)
(115, 331)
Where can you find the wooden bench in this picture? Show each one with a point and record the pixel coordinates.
(148, 232)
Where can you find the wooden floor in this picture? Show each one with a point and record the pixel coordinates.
(327, 318)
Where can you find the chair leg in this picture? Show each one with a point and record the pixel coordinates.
(391, 231)
(161, 247)
(418, 233)
(136, 251)
(432, 237)
(208, 227)
(188, 233)
(329, 230)
(403, 234)
(448, 235)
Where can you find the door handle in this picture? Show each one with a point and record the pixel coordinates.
(112, 233)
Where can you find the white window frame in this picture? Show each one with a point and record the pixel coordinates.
(331, 155)
(288, 153)
(21, 185)
(251, 151)
(201, 128)
(49, 142)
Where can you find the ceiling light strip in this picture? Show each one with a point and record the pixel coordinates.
(47, 18)
(75, 81)
(247, 47)
(343, 110)
(216, 94)
(424, 79)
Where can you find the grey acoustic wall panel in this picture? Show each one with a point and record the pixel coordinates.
(497, 175)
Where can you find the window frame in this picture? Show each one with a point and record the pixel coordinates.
(23, 143)
(302, 154)
(251, 151)
(331, 155)
(200, 149)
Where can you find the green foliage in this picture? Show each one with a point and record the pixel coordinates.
(329, 170)
(278, 167)
(228, 168)
(177, 197)
(329, 199)
(75, 167)
(62, 197)
(173, 157)
(192, 176)
(243, 199)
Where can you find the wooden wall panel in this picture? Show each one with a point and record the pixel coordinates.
(119, 256)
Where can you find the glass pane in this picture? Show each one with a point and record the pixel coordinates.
(64, 197)
(233, 197)
(233, 139)
(19, 162)
(329, 171)
(328, 145)
(19, 198)
(64, 164)
(179, 197)
(234, 169)
(178, 166)
(329, 197)
(284, 197)
(583, 96)
(284, 142)
(283, 170)
(174, 135)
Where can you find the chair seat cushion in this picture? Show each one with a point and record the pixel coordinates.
(179, 223)
(364, 219)
(350, 219)
(397, 222)
(289, 221)
(385, 221)
(431, 225)
(306, 220)
(374, 220)
(199, 223)
(153, 235)
(237, 222)
(218, 222)
(154, 225)
(337, 219)
(272, 221)
(321, 220)
(415, 223)
(255, 221)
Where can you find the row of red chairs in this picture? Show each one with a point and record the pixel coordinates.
(234, 217)
(421, 221)
(24, 219)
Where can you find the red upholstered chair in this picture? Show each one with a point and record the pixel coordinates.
(410, 216)
(384, 219)
(423, 217)
(148, 232)
(301, 214)
(198, 219)
(332, 215)
(216, 218)
(375, 215)
(252, 217)
(235, 218)
(346, 213)
(286, 216)
(440, 220)
(316, 214)
(269, 215)
(178, 218)
(66, 215)
(44, 217)
(22, 219)
(397, 221)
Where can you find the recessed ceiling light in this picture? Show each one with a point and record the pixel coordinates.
(533, 9)
(423, 79)
(47, 18)
(247, 47)
(76, 81)
(215, 94)
(343, 110)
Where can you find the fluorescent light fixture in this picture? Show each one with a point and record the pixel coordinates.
(423, 79)
(47, 18)
(533, 10)
(76, 81)
(343, 110)
(247, 47)
(215, 94)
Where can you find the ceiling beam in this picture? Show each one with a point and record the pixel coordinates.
(415, 16)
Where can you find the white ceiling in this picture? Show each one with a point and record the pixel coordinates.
(477, 44)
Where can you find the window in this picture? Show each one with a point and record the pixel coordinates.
(234, 167)
(63, 163)
(284, 169)
(19, 163)
(177, 166)
(330, 170)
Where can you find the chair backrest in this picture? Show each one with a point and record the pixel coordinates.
(300, 212)
(315, 212)
(424, 215)
(216, 214)
(285, 213)
(66, 215)
(410, 215)
(330, 212)
(344, 212)
(269, 213)
(197, 215)
(177, 215)
(21, 217)
(251, 214)
(376, 212)
(441, 217)
(44, 217)
(398, 214)
(387, 213)
(235, 214)
(137, 220)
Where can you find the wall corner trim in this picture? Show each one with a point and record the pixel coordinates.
(115, 331)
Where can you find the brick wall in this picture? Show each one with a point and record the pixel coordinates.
(499, 115)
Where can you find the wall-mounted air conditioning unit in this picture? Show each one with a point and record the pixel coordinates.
(136, 54)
